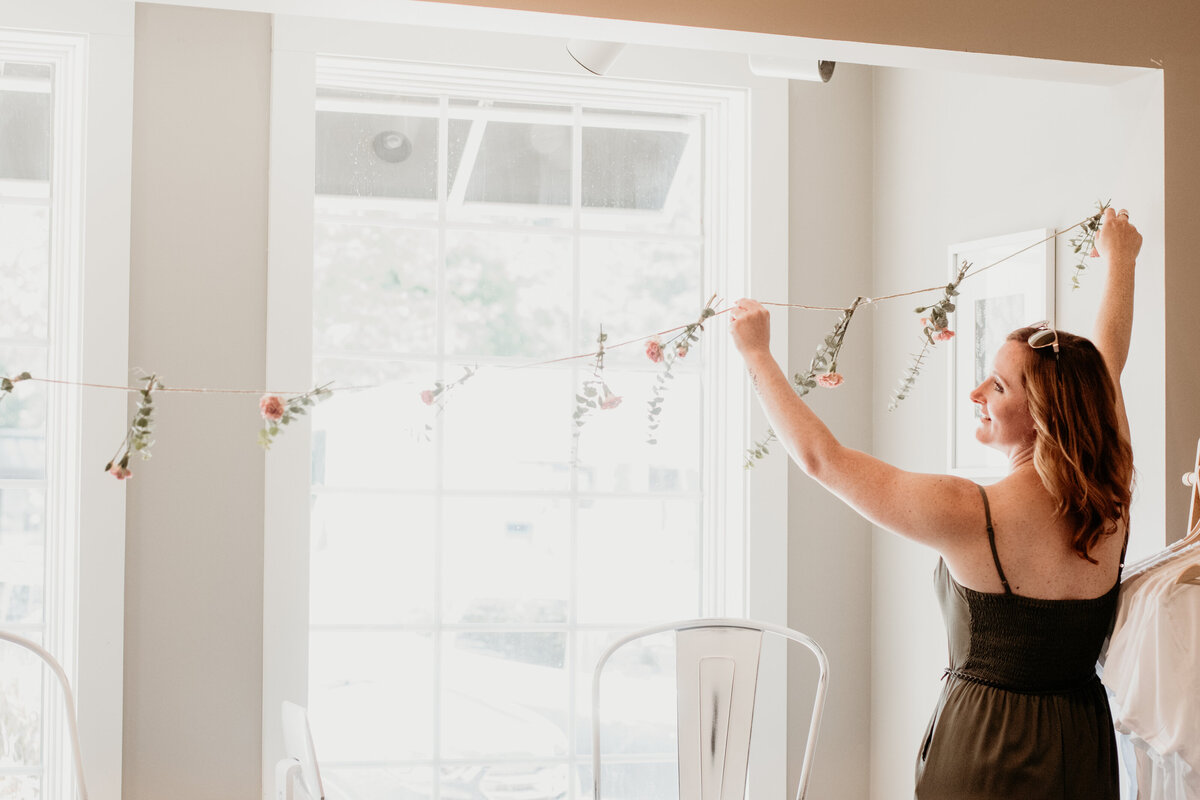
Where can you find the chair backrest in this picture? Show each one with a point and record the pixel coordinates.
(298, 774)
(716, 665)
(68, 700)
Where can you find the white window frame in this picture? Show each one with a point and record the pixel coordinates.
(749, 504)
(91, 46)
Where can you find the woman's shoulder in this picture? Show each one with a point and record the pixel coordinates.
(1033, 546)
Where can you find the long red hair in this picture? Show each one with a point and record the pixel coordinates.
(1083, 459)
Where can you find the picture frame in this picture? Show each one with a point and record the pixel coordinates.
(992, 303)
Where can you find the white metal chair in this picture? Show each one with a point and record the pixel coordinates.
(717, 662)
(68, 699)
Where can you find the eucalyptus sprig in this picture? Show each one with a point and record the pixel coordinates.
(141, 427)
(822, 371)
(6, 384)
(593, 395)
(440, 392)
(277, 412)
(676, 347)
(759, 450)
(936, 328)
(1084, 243)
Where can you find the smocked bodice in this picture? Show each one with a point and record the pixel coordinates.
(1021, 643)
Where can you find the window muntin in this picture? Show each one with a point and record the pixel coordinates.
(505, 260)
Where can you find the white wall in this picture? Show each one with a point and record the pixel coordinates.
(193, 597)
(829, 578)
(966, 157)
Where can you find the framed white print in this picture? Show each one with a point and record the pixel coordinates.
(989, 306)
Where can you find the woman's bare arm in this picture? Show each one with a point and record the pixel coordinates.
(932, 509)
(1118, 244)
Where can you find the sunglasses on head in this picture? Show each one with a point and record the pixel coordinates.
(1044, 336)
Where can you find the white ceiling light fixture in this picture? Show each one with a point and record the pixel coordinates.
(796, 69)
(596, 57)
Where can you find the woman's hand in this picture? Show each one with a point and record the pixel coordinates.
(1118, 242)
(750, 326)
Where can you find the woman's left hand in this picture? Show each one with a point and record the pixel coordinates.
(750, 326)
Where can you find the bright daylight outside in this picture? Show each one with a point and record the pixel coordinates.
(26, 145)
(470, 556)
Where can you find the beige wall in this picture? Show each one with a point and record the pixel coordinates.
(194, 538)
(829, 546)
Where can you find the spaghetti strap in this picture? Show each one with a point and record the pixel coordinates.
(987, 511)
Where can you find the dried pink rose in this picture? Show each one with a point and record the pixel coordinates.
(120, 473)
(427, 397)
(830, 379)
(654, 350)
(271, 407)
(1095, 253)
(681, 350)
(609, 400)
(944, 335)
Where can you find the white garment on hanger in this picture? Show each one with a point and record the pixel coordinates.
(1152, 671)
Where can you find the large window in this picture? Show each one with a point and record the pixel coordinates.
(55, 589)
(469, 561)
(465, 561)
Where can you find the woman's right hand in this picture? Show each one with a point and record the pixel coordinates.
(750, 326)
(1118, 242)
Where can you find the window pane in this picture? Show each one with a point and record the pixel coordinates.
(23, 415)
(641, 179)
(510, 429)
(375, 288)
(372, 559)
(375, 783)
(508, 294)
(373, 155)
(661, 583)
(25, 787)
(520, 162)
(24, 254)
(501, 699)
(26, 121)
(613, 453)
(506, 561)
(636, 286)
(369, 695)
(21, 679)
(379, 437)
(22, 554)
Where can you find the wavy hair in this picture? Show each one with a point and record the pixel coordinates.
(1083, 459)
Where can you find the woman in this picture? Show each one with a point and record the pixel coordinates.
(1029, 568)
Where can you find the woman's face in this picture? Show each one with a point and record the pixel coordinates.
(1006, 425)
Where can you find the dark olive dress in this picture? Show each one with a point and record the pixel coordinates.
(1022, 713)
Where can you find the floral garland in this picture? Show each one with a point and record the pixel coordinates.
(277, 412)
(137, 439)
(1085, 242)
(822, 371)
(675, 348)
(936, 329)
(595, 394)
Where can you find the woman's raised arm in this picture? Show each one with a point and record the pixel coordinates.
(1118, 244)
(932, 509)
